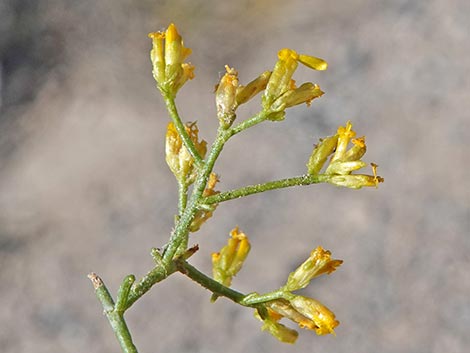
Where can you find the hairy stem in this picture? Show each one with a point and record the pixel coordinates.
(182, 197)
(157, 274)
(255, 189)
(256, 119)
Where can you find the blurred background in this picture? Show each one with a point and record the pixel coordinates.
(84, 185)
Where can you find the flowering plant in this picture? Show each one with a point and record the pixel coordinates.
(192, 162)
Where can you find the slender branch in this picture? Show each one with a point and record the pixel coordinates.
(255, 189)
(254, 299)
(207, 282)
(250, 300)
(123, 293)
(256, 119)
(188, 143)
(115, 317)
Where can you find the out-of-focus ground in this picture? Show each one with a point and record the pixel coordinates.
(84, 185)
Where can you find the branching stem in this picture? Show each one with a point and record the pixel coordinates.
(182, 228)
(115, 317)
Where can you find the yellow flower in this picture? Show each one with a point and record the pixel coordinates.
(281, 332)
(281, 92)
(280, 80)
(245, 93)
(356, 181)
(303, 94)
(167, 55)
(345, 134)
(320, 154)
(177, 156)
(306, 312)
(323, 319)
(318, 263)
(226, 97)
(313, 62)
(203, 214)
(228, 262)
(343, 161)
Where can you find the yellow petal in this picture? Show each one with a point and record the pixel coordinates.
(313, 62)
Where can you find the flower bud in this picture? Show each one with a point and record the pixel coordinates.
(167, 57)
(308, 313)
(318, 263)
(320, 154)
(320, 315)
(280, 80)
(281, 92)
(157, 56)
(228, 262)
(245, 93)
(303, 94)
(354, 181)
(225, 97)
(343, 168)
(177, 156)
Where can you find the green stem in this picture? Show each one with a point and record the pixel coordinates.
(180, 234)
(115, 317)
(188, 143)
(123, 293)
(254, 299)
(256, 119)
(250, 300)
(207, 282)
(157, 274)
(182, 197)
(182, 228)
(270, 185)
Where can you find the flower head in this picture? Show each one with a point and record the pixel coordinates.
(306, 312)
(343, 160)
(318, 263)
(228, 262)
(226, 97)
(323, 319)
(167, 55)
(281, 91)
(177, 156)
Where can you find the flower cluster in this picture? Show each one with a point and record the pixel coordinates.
(229, 260)
(167, 57)
(280, 90)
(177, 156)
(332, 160)
(343, 161)
(308, 313)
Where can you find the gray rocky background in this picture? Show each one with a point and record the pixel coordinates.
(84, 185)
